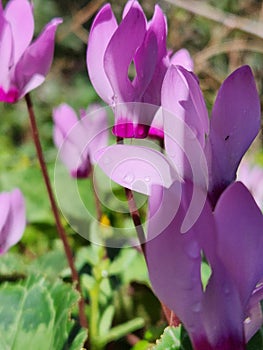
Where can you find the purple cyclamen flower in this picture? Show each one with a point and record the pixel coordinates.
(79, 139)
(205, 151)
(24, 65)
(12, 219)
(112, 48)
(224, 314)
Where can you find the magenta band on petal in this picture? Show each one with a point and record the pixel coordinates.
(10, 96)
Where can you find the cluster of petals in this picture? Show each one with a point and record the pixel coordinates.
(195, 178)
(112, 48)
(78, 139)
(24, 65)
(12, 219)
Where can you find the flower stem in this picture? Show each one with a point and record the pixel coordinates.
(60, 228)
(134, 212)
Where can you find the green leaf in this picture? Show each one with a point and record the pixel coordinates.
(12, 264)
(50, 264)
(121, 330)
(106, 320)
(170, 339)
(130, 264)
(142, 345)
(35, 312)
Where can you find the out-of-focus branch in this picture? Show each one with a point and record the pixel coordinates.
(227, 19)
(82, 16)
(229, 46)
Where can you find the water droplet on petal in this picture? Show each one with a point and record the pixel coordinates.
(196, 307)
(193, 250)
(128, 178)
(106, 160)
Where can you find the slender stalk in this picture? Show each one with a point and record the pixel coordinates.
(134, 212)
(55, 211)
(96, 198)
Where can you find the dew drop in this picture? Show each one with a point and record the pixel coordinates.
(193, 250)
(196, 307)
(106, 160)
(128, 178)
(147, 178)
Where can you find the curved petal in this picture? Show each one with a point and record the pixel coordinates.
(35, 63)
(102, 29)
(20, 16)
(145, 63)
(181, 95)
(4, 210)
(15, 222)
(182, 58)
(222, 314)
(120, 52)
(235, 123)
(6, 49)
(173, 258)
(96, 124)
(158, 25)
(240, 238)
(64, 119)
(136, 168)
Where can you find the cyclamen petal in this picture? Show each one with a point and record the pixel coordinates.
(23, 66)
(101, 32)
(235, 122)
(34, 65)
(19, 15)
(136, 168)
(120, 52)
(215, 318)
(13, 219)
(79, 139)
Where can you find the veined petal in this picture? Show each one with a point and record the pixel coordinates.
(240, 238)
(136, 167)
(101, 32)
(182, 58)
(19, 14)
(235, 123)
(120, 52)
(36, 60)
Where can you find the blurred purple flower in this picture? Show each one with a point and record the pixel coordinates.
(24, 65)
(252, 176)
(112, 48)
(79, 139)
(226, 313)
(12, 219)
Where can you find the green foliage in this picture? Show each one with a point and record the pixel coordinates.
(34, 313)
